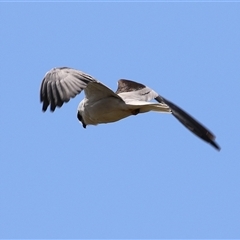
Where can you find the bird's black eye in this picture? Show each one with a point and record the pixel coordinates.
(79, 116)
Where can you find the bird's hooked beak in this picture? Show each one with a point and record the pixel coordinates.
(79, 116)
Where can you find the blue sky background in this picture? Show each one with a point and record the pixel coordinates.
(143, 177)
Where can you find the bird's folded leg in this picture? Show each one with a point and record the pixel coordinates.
(135, 111)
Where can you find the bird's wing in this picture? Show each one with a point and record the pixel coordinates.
(190, 123)
(131, 92)
(61, 84)
(96, 91)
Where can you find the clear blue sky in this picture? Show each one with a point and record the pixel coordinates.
(145, 176)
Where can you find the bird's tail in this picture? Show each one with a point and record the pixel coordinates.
(144, 107)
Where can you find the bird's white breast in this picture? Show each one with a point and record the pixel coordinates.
(105, 110)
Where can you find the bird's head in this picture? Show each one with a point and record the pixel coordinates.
(80, 118)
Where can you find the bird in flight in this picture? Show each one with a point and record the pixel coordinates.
(102, 105)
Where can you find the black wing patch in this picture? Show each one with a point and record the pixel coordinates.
(128, 86)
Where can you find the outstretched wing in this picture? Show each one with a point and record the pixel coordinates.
(61, 84)
(138, 96)
(132, 91)
(190, 123)
(96, 91)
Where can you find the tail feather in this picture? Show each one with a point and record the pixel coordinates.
(149, 106)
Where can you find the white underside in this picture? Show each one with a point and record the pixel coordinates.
(111, 109)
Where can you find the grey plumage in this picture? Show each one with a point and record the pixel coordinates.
(61, 84)
(102, 105)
